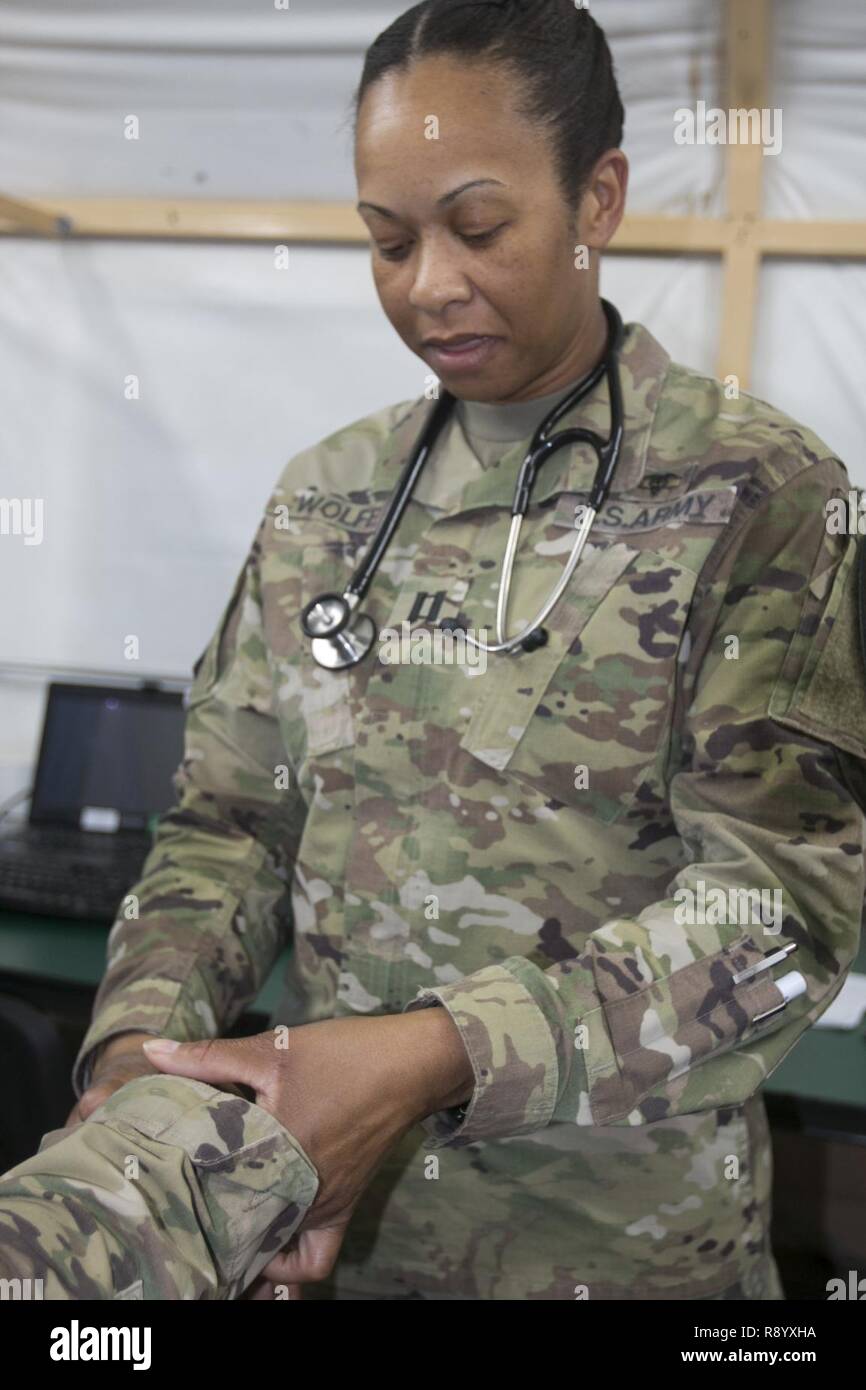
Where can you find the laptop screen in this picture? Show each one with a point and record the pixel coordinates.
(107, 756)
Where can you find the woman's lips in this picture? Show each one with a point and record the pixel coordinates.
(466, 357)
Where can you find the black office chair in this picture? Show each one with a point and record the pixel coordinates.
(35, 1094)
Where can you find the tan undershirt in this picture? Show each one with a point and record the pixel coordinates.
(491, 428)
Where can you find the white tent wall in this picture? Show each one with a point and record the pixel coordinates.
(150, 504)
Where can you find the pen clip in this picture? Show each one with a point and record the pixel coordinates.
(770, 958)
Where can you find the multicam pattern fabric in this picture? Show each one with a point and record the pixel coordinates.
(516, 844)
(171, 1190)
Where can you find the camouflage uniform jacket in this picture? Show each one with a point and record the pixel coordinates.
(521, 844)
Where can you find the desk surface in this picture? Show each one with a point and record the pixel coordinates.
(827, 1065)
(69, 952)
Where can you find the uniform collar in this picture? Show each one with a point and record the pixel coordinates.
(643, 364)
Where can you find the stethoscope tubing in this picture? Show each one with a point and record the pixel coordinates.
(503, 644)
(327, 617)
(436, 420)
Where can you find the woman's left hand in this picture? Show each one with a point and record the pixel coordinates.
(347, 1089)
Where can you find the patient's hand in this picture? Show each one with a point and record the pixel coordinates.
(347, 1089)
(121, 1060)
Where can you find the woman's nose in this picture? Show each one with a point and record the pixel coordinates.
(439, 277)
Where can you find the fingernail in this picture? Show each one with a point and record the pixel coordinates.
(160, 1045)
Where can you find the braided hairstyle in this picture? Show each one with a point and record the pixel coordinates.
(558, 54)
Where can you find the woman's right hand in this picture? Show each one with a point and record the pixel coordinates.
(119, 1061)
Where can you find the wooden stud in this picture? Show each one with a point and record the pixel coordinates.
(747, 52)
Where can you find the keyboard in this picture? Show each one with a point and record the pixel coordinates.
(77, 888)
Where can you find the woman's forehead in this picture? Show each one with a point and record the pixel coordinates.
(460, 96)
(411, 124)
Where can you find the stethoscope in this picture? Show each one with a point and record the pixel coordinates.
(342, 637)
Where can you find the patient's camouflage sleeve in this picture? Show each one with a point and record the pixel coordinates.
(197, 936)
(646, 1022)
(171, 1190)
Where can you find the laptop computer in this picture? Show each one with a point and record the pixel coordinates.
(103, 776)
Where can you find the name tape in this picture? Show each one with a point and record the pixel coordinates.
(710, 508)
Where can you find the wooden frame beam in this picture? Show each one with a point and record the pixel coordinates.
(26, 218)
(747, 50)
(207, 219)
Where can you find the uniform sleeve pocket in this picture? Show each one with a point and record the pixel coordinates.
(212, 663)
(827, 699)
(659, 1030)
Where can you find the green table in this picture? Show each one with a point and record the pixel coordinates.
(819, 1088)
(58, 951)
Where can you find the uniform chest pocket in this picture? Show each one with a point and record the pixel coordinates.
(586, 719)
(335, 704)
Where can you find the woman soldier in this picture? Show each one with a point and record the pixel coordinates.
(566, 912)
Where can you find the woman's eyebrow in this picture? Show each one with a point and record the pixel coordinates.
(440, 202)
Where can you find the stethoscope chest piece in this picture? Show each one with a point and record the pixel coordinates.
(338, 639)
(348, 647)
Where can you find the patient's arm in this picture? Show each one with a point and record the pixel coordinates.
(171, 1190)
